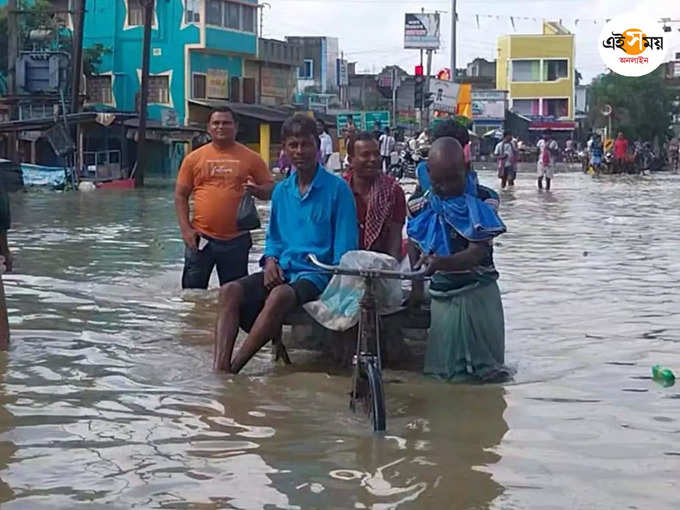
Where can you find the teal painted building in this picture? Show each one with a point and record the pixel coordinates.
(198, 50)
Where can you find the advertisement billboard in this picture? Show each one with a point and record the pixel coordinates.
(445, 95)
(489, 104)
(421, 31)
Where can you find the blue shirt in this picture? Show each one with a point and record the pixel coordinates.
(423, 175)
(322, 222)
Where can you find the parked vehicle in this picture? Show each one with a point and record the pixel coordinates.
(406, 164)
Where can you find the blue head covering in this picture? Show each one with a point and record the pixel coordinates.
(467, 215)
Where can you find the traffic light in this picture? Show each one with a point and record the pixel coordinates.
(419, 87)
(418, 91)
(428, 100)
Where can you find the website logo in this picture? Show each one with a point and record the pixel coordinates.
(632, 45)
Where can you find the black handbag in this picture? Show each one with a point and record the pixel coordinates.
(246, 216)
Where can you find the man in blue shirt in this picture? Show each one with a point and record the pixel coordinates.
(312, 212)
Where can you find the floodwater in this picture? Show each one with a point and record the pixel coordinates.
(107, 398)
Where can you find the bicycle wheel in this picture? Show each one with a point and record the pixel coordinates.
(376, 397)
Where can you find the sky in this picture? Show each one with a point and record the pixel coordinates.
(370, 32)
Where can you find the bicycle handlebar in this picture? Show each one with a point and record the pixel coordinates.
(370, 273)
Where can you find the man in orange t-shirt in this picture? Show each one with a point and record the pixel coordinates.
(217, 175)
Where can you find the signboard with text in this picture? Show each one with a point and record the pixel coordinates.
(341, 121)
(380, 117)
(422, 31)
(217, 84)
(445, 95)
(488, 104)
(363, 121)
(342, 72)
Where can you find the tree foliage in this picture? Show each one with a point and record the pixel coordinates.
(641, 105)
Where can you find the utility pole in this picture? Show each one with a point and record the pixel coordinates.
(454, 16)
(261, 6)
(394, 96)
(77, 70)
(144, 96)
(12, 54)
(427, 87)
(77, 63)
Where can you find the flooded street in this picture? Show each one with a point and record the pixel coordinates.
(108, 399)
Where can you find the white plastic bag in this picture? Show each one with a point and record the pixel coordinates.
(338, 306)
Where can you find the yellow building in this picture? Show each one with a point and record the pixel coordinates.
(537, 70)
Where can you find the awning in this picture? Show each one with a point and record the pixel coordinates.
(495, 133)
(155, 131)
(254, 111)
(46, 122)
(552, 125)
(157, 126)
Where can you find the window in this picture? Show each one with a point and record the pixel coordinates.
(525, 106)
(99, 89)
(306, 72)
(232, 16)
(199, 86)
(554, 70)
(135, 12)
(248, 19)
(526, 70)
(192, 14)
(213, 12)
(159, 89)
(556, 107)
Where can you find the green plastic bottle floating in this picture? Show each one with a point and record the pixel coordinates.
(663, 375)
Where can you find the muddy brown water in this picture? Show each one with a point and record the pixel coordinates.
(107, 398)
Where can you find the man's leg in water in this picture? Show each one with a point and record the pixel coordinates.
(4, 322)
(547, 184)
(231, 297)
(540, 183)
(281, 300)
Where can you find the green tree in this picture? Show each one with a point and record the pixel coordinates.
(641, 105)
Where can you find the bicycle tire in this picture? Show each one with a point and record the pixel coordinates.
(376, 398)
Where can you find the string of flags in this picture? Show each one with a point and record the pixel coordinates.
(514, 19)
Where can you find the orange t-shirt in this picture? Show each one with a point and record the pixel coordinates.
(217, 178)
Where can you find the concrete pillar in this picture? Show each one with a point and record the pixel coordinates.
(265, 142)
